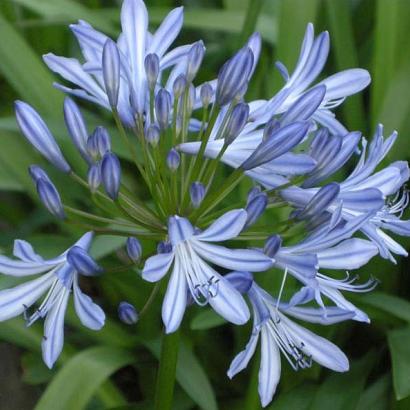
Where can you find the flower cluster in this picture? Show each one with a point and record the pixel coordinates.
(179, 136)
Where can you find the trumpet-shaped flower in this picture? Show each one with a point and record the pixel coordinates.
(58, 278)
(191, 274)
(279, 334)
(134, 44)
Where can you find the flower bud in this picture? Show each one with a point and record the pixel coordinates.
(173, 159)
(271, 127)
(320, 201)
(233, 75)
(37, 133)
(164, 247)
(76, 127)
(127, 313)
(256, 190)
(241, 281)
(99, 143)
(206, 94)
(111, 71)
(255, 208)
(111, 174)
(152, 135)
(134, 249)
(197, 193)
(37, 173)
(50, 197)
(82, 262)
(152, 70)
(179, 85)
(162, 108)
(280, 142)
(94, 177)
(236, 122)
(272, 245)
(195, 57)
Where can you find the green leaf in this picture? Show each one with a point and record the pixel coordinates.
(293, 17)
(190, 375)
(345, 52)
(330, 396)
(376, 396)
(104, 245)
(77, 382)
(25, 72)
(206, 319)
(68, 10)
(391, 304)
(400, 356)
(298, 398)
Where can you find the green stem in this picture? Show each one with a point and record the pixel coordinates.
(251, 18)
(166, 372)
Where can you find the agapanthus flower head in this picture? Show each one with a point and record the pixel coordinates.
(59, 277)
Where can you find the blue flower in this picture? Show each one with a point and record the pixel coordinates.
(279, 334)
(329, 247)
(191, 274)
(365, 191)
(58, 278)
(134, 44)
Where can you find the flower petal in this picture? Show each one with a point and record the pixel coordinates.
(226, 227)
(242, 359)
(349, 254)
(89, 313)
(179, 229)
(24, 251)
(53, 339)
(270, 368)
(175, 300)
(233, 259)
(322, 351)
(157, 266)
(16, 300)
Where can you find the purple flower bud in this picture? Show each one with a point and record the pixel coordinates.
(320, 201)
(111, 71)
(197, 193)
(233, 75)
(37, 133)
(162, 107)
(76, 127)
(272, 245)
(127, 313)
(94, 177)
(195, 57)
(173, 159)
(206, 93)
(82, 262)
(271, 127)
(253, 192)
(255, 208)
(179, 85)
(37, 173)
(236, 122)
(111, 174)
(99, 143)
(152, 69)
(134, 249)
(50, 197)
(164, 247)
(280, 142)
(152, 135)
(241, 281)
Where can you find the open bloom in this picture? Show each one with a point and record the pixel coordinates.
(59, 277)
(192, 275)
(365, 190)
(134, 44)
(279, 335)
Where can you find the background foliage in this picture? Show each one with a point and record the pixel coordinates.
(115, 368)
